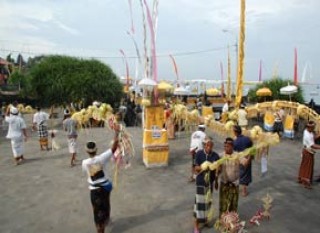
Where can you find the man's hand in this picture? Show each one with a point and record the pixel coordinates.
(205, 165)
(213, 166)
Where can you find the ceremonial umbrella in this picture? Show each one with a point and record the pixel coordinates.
(147, 82)
(181, 91)
(164, 86)
(289, 90)
(264, 92)
(213, 92)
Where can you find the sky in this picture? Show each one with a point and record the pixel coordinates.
(196, 33)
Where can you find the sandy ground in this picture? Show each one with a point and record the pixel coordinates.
(45, 195)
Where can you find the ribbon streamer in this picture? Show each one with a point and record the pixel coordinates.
(131, 17)
(175, 67)
(146, 60)
(127, 67)
(155, 17)
(153, 42)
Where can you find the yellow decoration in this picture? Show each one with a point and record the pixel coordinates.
(155, 139)
(212, 92)
(288, 123)
(155, 158)
(264, 92)
(233, 115)
(241, 54)
(229, 125)
(269, 118)
(207, 111)
(145, 102)
(151, 137)
(164, 86)
(267, 204)
(154, 116)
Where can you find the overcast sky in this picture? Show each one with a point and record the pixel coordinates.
(97, 28)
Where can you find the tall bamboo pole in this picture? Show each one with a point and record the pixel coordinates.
(229, 76)
(241, 54)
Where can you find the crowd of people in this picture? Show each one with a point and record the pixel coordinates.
(95, 166)
(231, 179)
(233, 173)
(234, 176)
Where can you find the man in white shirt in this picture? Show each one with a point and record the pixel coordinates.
(197, 139)
(17, 133)
(225, 107)
(39, 121)
(70, 126)
(242, 117)
(307, 162)
(96, 168)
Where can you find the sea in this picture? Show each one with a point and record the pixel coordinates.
(311, 91)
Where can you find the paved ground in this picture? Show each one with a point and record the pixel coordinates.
(46, 195)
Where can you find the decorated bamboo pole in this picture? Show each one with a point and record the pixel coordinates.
(241, 54)
(125, 61)
(146, 60)
(229, 76)
(222, 78)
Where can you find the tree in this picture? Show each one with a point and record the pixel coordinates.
(275, 85)
(9, 58)
(63, 79)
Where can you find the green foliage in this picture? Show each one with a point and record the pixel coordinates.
(9, 58)
(275, 85)
(62, 79)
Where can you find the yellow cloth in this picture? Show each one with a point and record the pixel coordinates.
(289, 123)
(269, 118)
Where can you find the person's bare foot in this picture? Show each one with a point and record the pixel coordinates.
(307, 186)
(244, 194)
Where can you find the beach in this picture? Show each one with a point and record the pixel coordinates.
(45, 195)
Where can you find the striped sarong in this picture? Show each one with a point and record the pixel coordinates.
(202, 204)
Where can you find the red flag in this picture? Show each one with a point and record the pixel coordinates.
(295, 77)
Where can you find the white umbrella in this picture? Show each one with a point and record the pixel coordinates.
(147, 82)
(181, 91)
(289, 90)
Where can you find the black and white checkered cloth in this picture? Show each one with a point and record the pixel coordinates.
(201, 205)
(42, 131)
